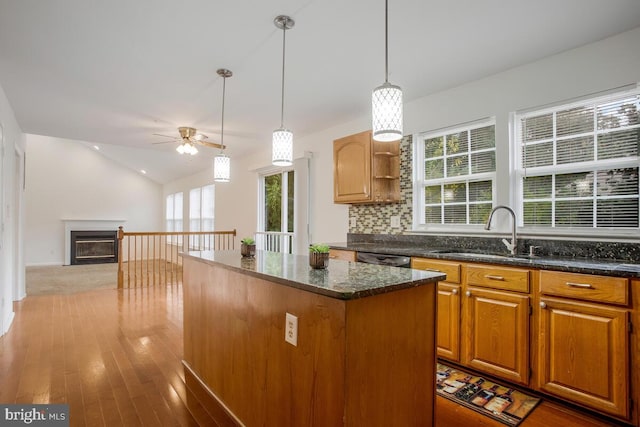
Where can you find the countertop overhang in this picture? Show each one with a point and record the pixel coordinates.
(574, 265)
(342, 279)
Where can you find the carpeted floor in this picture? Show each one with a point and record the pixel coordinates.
(69, 279)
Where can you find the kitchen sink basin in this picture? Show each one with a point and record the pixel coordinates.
(480, 255)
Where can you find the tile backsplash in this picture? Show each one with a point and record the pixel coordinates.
(376, 218)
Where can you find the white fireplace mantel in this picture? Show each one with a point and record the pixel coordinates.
(85, 225)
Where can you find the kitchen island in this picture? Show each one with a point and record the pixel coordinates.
(364, 350)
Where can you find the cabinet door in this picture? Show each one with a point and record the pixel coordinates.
(496, 333)
(583, 354)
(352, 168)
(448, 323)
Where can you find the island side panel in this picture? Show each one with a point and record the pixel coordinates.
(391, 358)
(234, 343)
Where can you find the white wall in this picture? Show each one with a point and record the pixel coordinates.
(68, 180)
(600, 66)
(11, 205)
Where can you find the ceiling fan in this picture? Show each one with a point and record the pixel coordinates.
(188, 139)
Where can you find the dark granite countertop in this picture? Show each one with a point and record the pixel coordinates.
(570, 264)
(342, 279)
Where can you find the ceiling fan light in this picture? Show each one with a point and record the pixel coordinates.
(181, 149)
(386, 107)
(192, 149)
(282, 147)
(221, 168)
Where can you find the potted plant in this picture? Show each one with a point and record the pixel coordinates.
(319, 255)
(247, 247)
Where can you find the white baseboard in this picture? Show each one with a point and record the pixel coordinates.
(43, 264)
(6, 324)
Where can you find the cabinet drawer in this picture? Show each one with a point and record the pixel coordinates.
(451, 269)
(510, 279)
(588, 287)
(342, 254)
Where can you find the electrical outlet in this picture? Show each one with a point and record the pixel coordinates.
(291, 329)
(352, 222)
(395, 221)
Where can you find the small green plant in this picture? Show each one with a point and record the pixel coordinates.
(248, 241)
(320, 248)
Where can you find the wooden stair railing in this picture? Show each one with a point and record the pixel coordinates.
(151, 258)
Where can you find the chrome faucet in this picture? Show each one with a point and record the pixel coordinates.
(513, 245)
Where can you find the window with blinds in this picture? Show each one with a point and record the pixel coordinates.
(578, 164)
(201, 202)
(455, 175)
(173, 215)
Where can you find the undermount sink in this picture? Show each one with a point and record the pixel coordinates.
(480, 255)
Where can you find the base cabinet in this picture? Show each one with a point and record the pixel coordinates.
(342, 254)
(572, 331)
(583, 354)
(448, 299)
(496, 333)
(448, 324)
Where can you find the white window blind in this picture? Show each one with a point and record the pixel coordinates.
(194, 209)
(455, 175)
(578, 164)
(173, 214)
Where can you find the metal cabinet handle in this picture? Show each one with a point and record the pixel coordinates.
(468, 293)
(454, 291)
(433, 269)
(543, 304)
(579, 285)
(492, 277)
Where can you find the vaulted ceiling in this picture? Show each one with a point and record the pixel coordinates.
(115, 72)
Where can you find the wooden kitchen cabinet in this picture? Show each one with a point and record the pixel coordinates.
(584, 338)
(496, 309)
(365, 171)
(342, 254)
(495, 334)
(448, 299)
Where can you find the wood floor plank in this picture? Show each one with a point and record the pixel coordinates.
(115, 357)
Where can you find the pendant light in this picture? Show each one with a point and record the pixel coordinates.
(386, 100)
(282, 146)
(222, 163)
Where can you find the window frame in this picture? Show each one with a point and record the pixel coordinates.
(420, 183)
(284, 199)
(519, 171)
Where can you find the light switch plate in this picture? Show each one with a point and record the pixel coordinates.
(395, 221)
(352, 222)
(291, 329)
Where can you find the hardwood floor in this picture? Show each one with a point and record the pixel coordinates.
(115, 357)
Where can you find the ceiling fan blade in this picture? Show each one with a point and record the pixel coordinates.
(164, 142)
(166, 136)
(210, 144)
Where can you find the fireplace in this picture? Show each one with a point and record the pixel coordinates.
(94, 247)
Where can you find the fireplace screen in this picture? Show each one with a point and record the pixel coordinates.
(94, 247)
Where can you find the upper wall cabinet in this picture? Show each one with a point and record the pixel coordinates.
(366, 171)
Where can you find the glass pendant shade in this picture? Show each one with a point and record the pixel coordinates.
(187, 148)
(386, 108)
(282, 146)
(221, 168)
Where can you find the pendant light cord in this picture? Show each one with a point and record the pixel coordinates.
(224, 88)
(284, 34)
(386, 41)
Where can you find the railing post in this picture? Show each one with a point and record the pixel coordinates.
(120, 272)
